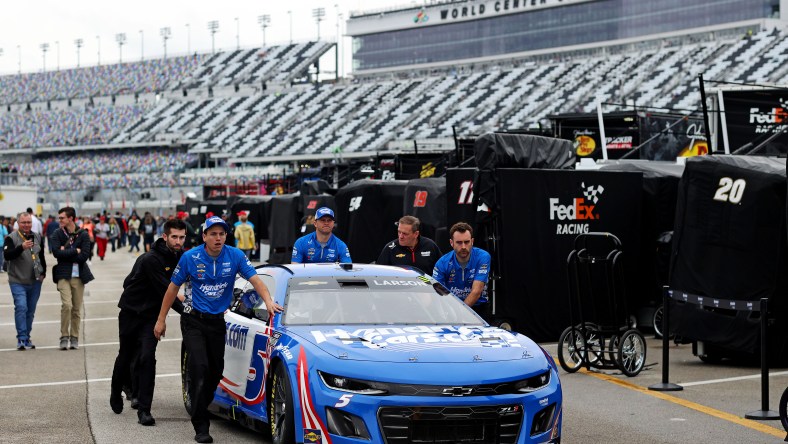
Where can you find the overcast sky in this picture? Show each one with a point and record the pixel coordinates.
(26, 25)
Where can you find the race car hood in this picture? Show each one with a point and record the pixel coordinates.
(410, 343)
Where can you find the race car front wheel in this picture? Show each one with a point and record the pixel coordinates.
(186, 381)
(280, 411)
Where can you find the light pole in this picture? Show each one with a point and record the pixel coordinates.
(57, 45)
(213, 26)
(339, 39)
(290, 15)
(188, 39)
(237, 34)
(318, 14)
(142, 45)
(44, 48)
(98, 43)
(19, 58)
(78, 43)
(264, 20)
(121, 39)
(165, 35)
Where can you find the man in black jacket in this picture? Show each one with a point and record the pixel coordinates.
(410, 248)
(143, 291)
(71, 248)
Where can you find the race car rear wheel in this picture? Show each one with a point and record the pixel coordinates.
(571, 347)
(280, 409)
(186, 381)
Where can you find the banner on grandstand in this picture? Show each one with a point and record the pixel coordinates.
(754, 116)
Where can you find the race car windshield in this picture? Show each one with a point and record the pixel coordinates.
(374, 302)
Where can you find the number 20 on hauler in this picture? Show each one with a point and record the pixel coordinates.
(730, 190)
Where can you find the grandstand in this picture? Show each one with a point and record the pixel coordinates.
(136, 122)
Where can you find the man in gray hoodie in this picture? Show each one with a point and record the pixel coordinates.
(27, 266)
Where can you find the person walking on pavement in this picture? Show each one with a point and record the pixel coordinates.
(101, 231)
(134, 233)
(211, 268)
(71, 248)
(244, 234)
(143, 292)
(24, 251)
(3, 234)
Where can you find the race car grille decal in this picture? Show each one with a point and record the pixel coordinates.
(471, 424)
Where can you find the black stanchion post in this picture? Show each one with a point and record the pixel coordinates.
(665, 386)
(764, 413)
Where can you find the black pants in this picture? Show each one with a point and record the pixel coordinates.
(203, 341)
(136, 337)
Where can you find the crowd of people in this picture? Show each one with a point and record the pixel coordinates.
(65, 127)
(137, 161)
(103, 80)
(152, 287)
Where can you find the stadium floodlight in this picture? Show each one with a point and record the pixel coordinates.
(142, 45)
(318, 14)
(213, 26)
(188, 39)
(98, 45)
(121, 39)
(290, 15)
(1, 52)
(237, 34)
(78, 43)
(44, 48)
(19, 58)
(264, 21)
(57, 45)
(165, 33)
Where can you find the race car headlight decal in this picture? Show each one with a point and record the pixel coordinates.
(533, 383)
(346, 424)
(353, 385)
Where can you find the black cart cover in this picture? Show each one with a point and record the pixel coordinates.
(660, 191)
(197, 209)
(542, 211)
(367, 211)
(283, 227)
(315, 187)
(502, 150)
(426, 199)
(730, 243)
(256, 206)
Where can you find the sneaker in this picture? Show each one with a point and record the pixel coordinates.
(64, 343)
(20, 344)
(116, 402)
(144, 417)
(29, 345)
(74, 343)
(203, 437)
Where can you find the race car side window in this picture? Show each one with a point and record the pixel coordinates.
(246, 301)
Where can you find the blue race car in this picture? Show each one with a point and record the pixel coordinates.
(369, 353)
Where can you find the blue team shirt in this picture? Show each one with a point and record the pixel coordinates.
(212, 279)
(459, 280)
(307, 250)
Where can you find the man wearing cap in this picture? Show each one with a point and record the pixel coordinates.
(322, 245)
(244, 234)
(410, 247)
(465, 270)
(211, 268)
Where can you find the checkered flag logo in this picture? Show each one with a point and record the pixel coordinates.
(592, 192)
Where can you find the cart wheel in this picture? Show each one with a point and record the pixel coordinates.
(631, 353)
(784, 410)
(571, 346)
(658, 322)
(612, 348)
(503, 324)
(594, 344)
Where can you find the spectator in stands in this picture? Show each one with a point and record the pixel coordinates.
(244, 234)
(410, 247)
(148, 231)
(134, 233)
(465, 270)
(322, 245)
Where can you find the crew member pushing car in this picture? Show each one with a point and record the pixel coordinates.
(322, 245)
(211, 268)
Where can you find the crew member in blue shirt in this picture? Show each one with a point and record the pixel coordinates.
(465, 270)
(211, 268)
(322, 245)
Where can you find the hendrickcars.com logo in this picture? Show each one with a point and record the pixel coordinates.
(576, 212)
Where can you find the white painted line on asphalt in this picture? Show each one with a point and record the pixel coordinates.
(737, 378)
(97, 344)
(80, 381)
(57, 321)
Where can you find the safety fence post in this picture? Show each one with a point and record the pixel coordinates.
(764, 413)
(665, 386)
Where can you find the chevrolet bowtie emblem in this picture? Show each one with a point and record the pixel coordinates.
(458, 391)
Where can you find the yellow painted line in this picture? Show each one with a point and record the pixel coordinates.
(749, 423)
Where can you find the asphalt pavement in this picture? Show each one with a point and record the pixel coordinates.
(48, 395)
